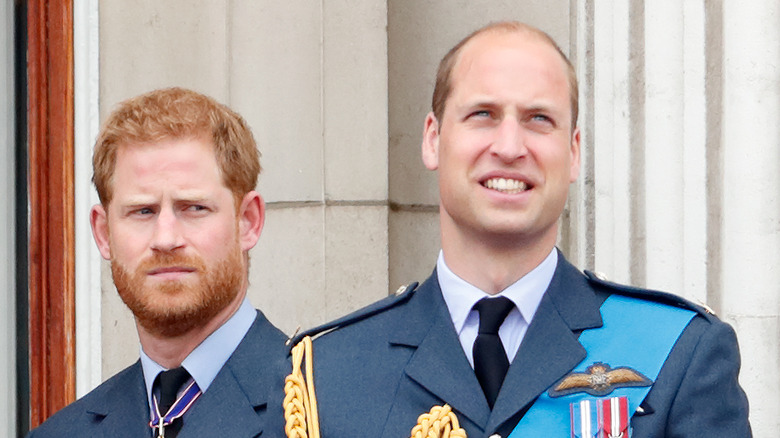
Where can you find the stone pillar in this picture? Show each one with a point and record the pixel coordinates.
(7, 225)
(86, 65)
(672, 183)
(648, 143)
(680, 105)
(750, 211)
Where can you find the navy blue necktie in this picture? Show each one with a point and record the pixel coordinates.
(490, 361)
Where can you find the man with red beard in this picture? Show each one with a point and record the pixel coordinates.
(176, 172)
(507, 338)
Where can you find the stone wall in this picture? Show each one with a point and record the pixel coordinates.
(679, 113)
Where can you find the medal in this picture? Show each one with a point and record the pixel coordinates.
(177, 410)
(613, 416)
(584, 419)
(600, 418)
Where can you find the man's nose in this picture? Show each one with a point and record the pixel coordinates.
(167, 231)
(509, 143)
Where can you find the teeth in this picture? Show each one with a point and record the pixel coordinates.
(510, 186)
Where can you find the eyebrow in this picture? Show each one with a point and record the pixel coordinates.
(141, 199)
(137, 200)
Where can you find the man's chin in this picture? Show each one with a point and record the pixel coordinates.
(161, 289)
(172, 308)
(172, 322)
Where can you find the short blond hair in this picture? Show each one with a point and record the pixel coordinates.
(174, 113)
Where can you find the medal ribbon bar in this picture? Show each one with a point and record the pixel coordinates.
(613, 413)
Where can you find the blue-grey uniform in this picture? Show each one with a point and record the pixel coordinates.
(244, 400)
(378, 369)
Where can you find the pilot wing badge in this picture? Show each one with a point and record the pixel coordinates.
(599, 380)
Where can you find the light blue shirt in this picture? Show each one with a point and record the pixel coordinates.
(206, 359)
(526, 293)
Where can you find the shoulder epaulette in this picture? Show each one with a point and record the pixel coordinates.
(401, 295)
(648, 294)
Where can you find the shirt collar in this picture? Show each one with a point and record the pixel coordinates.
(526, 293)
(205, 361)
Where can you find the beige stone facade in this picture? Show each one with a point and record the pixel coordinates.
(679, 186)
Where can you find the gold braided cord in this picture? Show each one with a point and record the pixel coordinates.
(300, 403)
(440, 422)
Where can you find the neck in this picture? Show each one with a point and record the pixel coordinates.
(492, 265)
(170, 352)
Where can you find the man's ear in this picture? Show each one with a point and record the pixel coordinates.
(430, 142)
(574, 172)
(251, 218)
(98, 219)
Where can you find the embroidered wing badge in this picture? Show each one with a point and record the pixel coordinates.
(599, 380)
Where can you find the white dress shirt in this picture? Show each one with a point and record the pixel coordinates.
(526, 293)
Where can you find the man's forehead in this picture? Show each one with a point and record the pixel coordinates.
(494, 41)
(482, 65)
(194, 140)
(181, 159)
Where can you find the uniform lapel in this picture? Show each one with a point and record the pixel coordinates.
(223, 410)
(550, 348)
(438, 364)
(235, 403)
(122, 410)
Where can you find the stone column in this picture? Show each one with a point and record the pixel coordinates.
(681, 102)
(750, 212)
(7, 225)
(648, 142)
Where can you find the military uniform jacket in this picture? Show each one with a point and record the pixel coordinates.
(383, 366)
(244, 400)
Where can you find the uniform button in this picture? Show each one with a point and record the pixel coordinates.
(401, 290)
(495, 435)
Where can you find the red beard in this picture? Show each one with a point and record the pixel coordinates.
(175, 307)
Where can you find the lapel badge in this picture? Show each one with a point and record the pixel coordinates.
(599, 380)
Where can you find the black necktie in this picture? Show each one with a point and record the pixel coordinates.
(490, 361)
(170, 382)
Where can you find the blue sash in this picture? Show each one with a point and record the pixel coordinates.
(636, 334)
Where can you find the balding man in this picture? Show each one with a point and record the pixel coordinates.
(506, 337)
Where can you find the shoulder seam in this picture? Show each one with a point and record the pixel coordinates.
(372, 309)
(667, 298)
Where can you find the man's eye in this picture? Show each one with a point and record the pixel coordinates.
(481, 113)
(542, 118)
(196, 207)
(145, 211)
